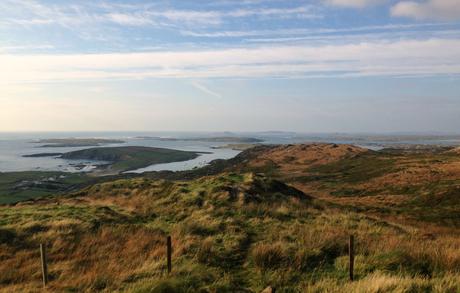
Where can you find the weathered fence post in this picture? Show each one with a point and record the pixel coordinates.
(351, 252)
(169, 252)
(44, 265)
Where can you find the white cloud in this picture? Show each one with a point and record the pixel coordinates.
(25, 47)
(432, 9)
(151, 17)
(205, 89)
(377, 58)
(354, 3)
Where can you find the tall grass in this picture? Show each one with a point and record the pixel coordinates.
(230, 234)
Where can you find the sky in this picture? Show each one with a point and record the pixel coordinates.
(228, 65)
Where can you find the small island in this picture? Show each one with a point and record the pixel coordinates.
(229, 139)
(76, 142)
(236, 146)
(122, 159)
(42, 155)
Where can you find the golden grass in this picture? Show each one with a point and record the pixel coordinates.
(111, 237)
(379, 282)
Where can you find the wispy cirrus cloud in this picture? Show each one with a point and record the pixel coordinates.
(162, 18)
(30, 12)
(201, 87)
(191, 17)
(310, 31)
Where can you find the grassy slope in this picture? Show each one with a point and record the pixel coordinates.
(422, 185)
(231, 233)
(426, 186)
(131, 158)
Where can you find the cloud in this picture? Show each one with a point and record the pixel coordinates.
(26, 47)
(354, 3)
(300, 12)
(189, 17)
(308, 31)
(205, 89)
(444, 10)
(33, 13)
(376, 58)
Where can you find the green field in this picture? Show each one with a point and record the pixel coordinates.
(20, 186)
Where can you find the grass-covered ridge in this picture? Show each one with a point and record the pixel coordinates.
(233, 232)
(418, 184)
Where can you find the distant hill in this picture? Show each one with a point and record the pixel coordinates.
(75, 142)
(233, 139)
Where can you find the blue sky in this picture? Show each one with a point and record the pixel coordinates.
(248, 65)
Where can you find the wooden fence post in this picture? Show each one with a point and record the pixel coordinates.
(44, 265)
(169, 252)
(351, 253)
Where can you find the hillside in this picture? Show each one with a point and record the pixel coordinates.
(231, 233)
(397, 183)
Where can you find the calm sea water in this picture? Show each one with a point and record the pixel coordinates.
(13, 146)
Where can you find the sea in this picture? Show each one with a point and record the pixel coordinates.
(13, 146)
